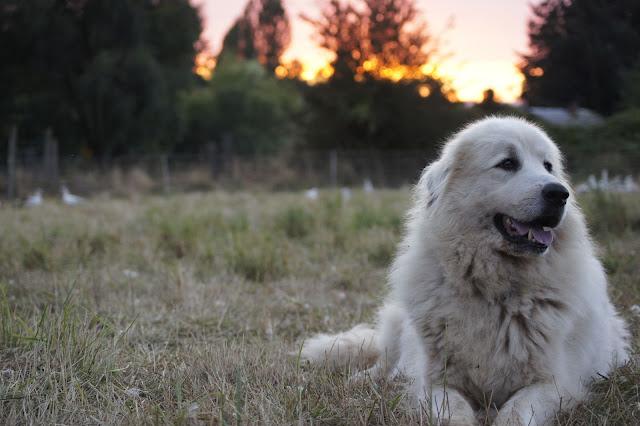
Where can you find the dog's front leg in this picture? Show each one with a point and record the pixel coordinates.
(449, 407)
(534, 405)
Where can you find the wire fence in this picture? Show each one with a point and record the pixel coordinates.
(27, 170)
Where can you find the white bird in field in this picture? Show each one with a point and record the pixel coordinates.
(582, 188)
(345, 193)
(68, 198)
(630, 185)
(367, 186)
(604, 180)
(312, 194)
(34, 199)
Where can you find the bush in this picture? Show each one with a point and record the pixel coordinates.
(256, 257)
(295, 222)
(244, 105)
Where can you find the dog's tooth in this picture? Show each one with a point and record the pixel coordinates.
(546, 229)
(530, 236)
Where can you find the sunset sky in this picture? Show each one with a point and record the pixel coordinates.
(482, 44)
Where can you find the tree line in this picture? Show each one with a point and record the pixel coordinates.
(115, 77)
(104, 75)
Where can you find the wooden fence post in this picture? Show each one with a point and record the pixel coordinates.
(215, 158)
(229, 164)
(11, 162)
(164, 170)
(333, 168)
(50, 161)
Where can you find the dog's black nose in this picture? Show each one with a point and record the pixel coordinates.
(554, 193)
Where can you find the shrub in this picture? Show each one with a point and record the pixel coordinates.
(256, 257)
(295, 222)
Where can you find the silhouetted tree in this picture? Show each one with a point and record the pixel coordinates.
(240, 39)
(631, 88)
(579, 52)
(262, 32)
(396, 35)
(378, 97)
(273, 33)
(340, 30)
(374, 38)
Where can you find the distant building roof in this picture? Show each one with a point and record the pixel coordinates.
(566, 117)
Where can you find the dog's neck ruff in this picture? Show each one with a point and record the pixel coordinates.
(479, 272)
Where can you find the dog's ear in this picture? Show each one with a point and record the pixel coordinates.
(432, 182)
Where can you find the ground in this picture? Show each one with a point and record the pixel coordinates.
(191, 308)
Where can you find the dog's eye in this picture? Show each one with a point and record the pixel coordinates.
(508, 164)
(548, 166)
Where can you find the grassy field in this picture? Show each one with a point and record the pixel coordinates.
(184, 309)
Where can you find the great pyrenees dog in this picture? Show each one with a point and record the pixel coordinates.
(497, 300)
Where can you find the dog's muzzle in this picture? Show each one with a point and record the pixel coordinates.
(535, 235)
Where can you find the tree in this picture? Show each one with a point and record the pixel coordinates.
(340, 31)
(239, 42)
(262, 32)
(273, 33)
(397, 37)
(378, 96)
(631, 88)
(380, 39)
(579, 52)
(104, 74)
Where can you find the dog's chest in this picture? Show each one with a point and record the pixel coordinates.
(491, 349)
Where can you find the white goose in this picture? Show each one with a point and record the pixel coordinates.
(68, 198)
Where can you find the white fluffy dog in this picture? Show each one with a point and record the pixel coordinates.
(497, 300)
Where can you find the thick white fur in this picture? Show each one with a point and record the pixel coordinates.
(472, 323)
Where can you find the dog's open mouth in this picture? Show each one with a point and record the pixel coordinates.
(534, 236)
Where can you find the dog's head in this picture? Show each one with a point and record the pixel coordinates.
(499, 185)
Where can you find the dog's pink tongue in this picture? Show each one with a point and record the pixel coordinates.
(542, 236)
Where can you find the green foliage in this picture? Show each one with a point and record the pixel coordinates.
(244, 104)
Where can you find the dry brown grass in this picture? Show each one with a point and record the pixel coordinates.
(184, 309)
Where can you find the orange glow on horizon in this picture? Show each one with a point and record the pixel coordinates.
(462, 82)
(477, 54)
(467, 82)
